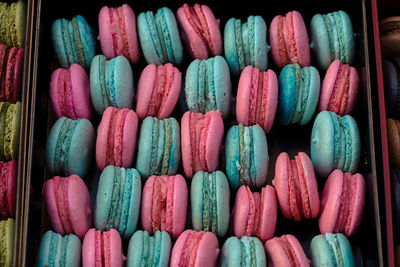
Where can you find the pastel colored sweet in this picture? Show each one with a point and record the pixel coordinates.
(8, 188)
(246, 44)
(332, 38)
(247, 251)
(159, 147)
(201, 141)
(145, 250)
(331, 250)
(164, 204)
(393, 139)
(255, 213)
(246, 156)
(199, 31)
(70, 147)
(70, 93)
(395, 193)
(289, 40)
(195, 249)
(11, 70)
(390, 36)
(73, 41)
(58, 250)
(299, 90)
(391, 79)
(296, 187)
(285, 251)
(118, 200)
(339, 88)
(257, 98)
(209, 202)
(158, 91)
(159, 37)
(342, 203)
(111, 83)
(117, 32)
(102, 248)
(335, 143)
(12, 29)
(116, 138)
(7, 242)
(68, 203)
(10, 123)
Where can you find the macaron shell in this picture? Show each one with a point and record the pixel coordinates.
(230, 49)
(223, 198)
(129, 138)
(268, 214)
(180, 205)
(214, 139)
(280, 183)
(241, 210)
(133, 42)
(53, 91)
(15, 67)
(389, 39)
(393, 134)
(12, 168)
(146, 42)
(311, 184)
(207, 251)
(147, 204)
(261, 157)
(105, 36)
(301, 39)
(123, 82)
(145, 87)
(231, 252)
(319, 42)
(222, 85)
(213, 27)
(169, 104)
(313, 95)
(81, 92)
(260, 43)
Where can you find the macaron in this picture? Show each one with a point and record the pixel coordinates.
(257, 98)
(246, 251)
(393, 139)
(289, 40)
(10, 123)
(299, 90)
(296, 187)
(111, 83)
(390, 36)
(335, 143)
(70, 147)
(8, 188)
(73, 41)
(118, 200)
(70, 93)
(246, 44)
(146, 250)
(12, 29)
(339, 88)
(116, 138)
(342, 203)
(255, 213)
(332, 38)
(208, 86)
(159, 147)
(11, 71)
(159, 37)
(201, 141)
(117, 32)
(391, 79)
(58, 250)
(395, 193)
(7, 242)
(246, 156)
(199, 31)
(68, 203)
(195, 249)
(164, 204)
(331, 250)
(209, 202)
(158, 91)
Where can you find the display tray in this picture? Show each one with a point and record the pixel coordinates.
(367, 244)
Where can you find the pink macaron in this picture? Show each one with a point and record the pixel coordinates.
(339, 88)
(8, 188)
(68, 203)
(342, 203)
(117, 33)
(116, 138)
(158, 91)
(257, 98)
(201, 137)
(70, 93)
(289, 40)
(255, 213)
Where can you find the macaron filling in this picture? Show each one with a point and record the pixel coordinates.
(162, 204)
(102, 249)
(119, 34)
(247, 171)
(190, 248)
(63, 257)
(4, 206)
(115, 196)
(303, 92)
(151, 24)
(3, 113)
(348, 159)
(340, 91)
(65, 95)
(161, 147)
(10, 82)
(283, 54)
(146, 259)
(52, 248)
(78, 43)
(343, 221)
(334, 247)
(251, 21)
(294, 192)
(162, 27)
(252, 214)
(258, 101)
(337, 139)
(206, 95)
(126, 200)
(239, 44)
(65, 33)
(119, 135)
(289, 251)
(291, 39)
(198, 130)
(63, 145)
(60, 187)
(163, 79)
(110, 82)
(8, 132)
(209, 211)
(248, 255)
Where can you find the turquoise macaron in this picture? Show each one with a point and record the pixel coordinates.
(209, 198)
(70, 147)
(118, 200)
(299, 90)
(335, 143)
(58, 250)
(159, 151)
(246, 251)
(246, 44)
(246, 156)
(331, 250)
(208, 86)
(159, 37)
(145, 250)
(73, 41)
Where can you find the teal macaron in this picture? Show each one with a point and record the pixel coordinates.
(331, 250)
(118, 200)
(159, 37)
(159, 151)
(145, 250)
(246, 156)
(209, 198)
(247, 251)
(299, 90)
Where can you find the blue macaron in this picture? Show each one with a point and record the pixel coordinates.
(247, 251)
(391, 79)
